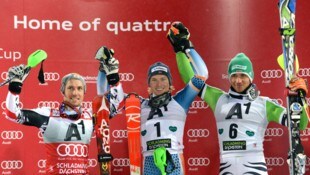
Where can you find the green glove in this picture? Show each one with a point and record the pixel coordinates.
(160, 159)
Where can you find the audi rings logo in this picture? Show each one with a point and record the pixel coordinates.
(274, 73)
(3, 106)
(42, 163)
(4, 75)
(304, 72)
(274, 161)
(51, 76)
(87, 104)
(51, 104)
(198, 105)
(198, 133)
(126, 76)
(11, 164)
(73, 150)
(12, 135)
(305, 132)
(120, 162)
(92, 162)
(119, 134)
(198, 161)
(273, 132)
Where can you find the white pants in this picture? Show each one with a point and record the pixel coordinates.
(246, 164)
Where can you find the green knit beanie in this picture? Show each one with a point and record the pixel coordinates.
(241, 64)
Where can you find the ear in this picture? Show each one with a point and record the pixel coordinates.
(171, 88)
(149, 90)
(63, 93)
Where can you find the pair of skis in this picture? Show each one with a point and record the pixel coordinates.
(102, 130)
(288, 61)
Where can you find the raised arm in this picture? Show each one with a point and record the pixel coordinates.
(36, 117)
(188, 60)
(103, 55)
(108, 79)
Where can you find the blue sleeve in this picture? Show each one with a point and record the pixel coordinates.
(191, 64)
(102, 83)
(197, 64)
(186, 96)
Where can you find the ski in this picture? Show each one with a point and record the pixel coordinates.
(101, 118)
(133, 111)
(288, 61)
(33, 60)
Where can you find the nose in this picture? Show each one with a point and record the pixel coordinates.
(74, 91)
(238, 80)
(160, 83)
(156, 83)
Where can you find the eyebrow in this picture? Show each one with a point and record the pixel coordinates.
(70, 86)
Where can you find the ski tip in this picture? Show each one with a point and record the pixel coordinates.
(96, 103)
(134, 94)
(281, 62)
(36, 57)
(296, 64)
(132, 99)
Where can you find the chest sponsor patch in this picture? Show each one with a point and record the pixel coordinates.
(153, 144)
(234, 145)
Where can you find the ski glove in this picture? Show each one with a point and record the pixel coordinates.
(104, 55)
(108, 64)
(178, 35)
(18, 74)
(297, 83)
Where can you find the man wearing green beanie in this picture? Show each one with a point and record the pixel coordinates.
(241, 114)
